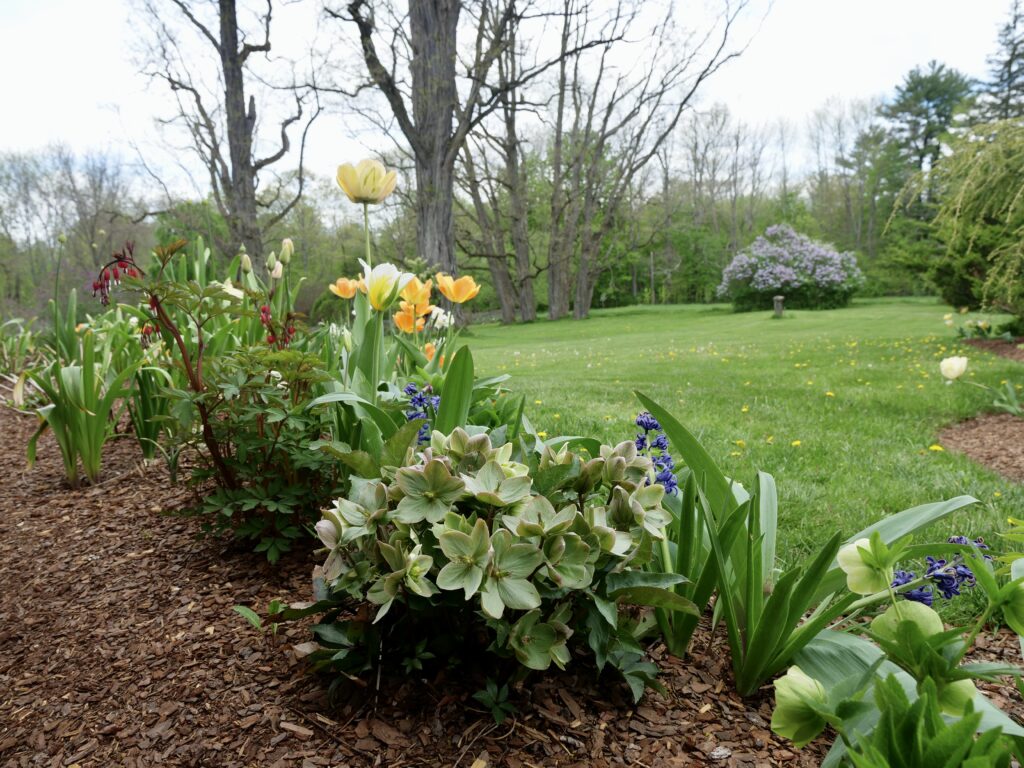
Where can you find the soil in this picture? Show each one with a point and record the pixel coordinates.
(118, 647)
(1014, 350)
(995, 440)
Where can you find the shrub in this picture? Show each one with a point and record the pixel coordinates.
(811, 275)
(518, 551)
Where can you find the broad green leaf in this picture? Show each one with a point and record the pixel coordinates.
(717, 489)
(457, 393)
(656, 597)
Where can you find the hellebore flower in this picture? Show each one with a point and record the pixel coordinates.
(344, 288)
(457, 291)
(795, 716)
(1013, 609)
(861, 578)
(366, 182)
(953, 367)
(383, 284)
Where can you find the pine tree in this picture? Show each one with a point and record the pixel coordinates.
(1003, 94)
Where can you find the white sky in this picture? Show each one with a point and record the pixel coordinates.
(68, 74)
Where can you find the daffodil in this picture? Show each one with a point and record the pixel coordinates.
(383, 284)
(344, 288)
(457, 291)
(366, 182)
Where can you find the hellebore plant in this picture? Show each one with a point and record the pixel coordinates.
(527, 548)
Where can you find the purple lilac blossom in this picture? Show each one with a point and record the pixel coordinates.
(783, 259)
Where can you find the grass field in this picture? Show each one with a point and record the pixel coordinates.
(842, 406)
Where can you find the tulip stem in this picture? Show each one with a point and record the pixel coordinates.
(366, 230)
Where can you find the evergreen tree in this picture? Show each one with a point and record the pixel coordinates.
(1003, 95)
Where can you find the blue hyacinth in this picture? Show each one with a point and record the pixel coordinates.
(653, 443)
(421, 403)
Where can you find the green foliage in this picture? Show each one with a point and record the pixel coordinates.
(82, 410)
(519, 548)
(982, 217)
(495, 698)
(915, 735)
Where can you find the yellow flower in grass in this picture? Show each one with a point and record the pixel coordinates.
(936, 447)
(796, 443)
(344, 288)
(457, 291)
(366, 182)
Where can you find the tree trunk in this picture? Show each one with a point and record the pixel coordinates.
(432, 28)
(558, 248)
(240, 124)
(516, 180)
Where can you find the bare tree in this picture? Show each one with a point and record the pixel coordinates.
(434, 62)
(221, 120)
(622, 116)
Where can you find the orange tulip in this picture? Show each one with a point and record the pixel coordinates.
(420, 310)
(429, 350)
(416, 292)
(406, 320)
(457, 291)
(344, 288)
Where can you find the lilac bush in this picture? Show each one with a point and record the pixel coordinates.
(811, 275)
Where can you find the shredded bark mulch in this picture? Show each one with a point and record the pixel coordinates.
(995, 440)
(1014, 350)
(118, 646)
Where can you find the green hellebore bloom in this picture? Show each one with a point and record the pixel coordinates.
(795, 716)
(1013, 610)
(926, 619)
(862, 578)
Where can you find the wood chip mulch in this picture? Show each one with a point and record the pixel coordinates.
(1014, 350)
(118, 647)
(995, 440)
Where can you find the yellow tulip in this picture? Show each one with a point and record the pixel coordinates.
(457, 291)
(383, 284)
(406, 320)
(417, 292)
(366, 182)
(344, 288)
(420, 310)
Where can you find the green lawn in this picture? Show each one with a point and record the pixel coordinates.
(841, 406)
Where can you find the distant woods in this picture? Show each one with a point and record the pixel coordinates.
(569, 154)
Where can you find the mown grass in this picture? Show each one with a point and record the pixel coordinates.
(842, 407)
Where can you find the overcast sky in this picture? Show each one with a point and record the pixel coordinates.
(68, 74)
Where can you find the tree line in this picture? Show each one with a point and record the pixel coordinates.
(568, 152)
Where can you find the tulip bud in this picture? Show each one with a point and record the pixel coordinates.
(271, 261)
(346, 340)
(287, 249)
(62, 238)
(246, 263)
(277, 272)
